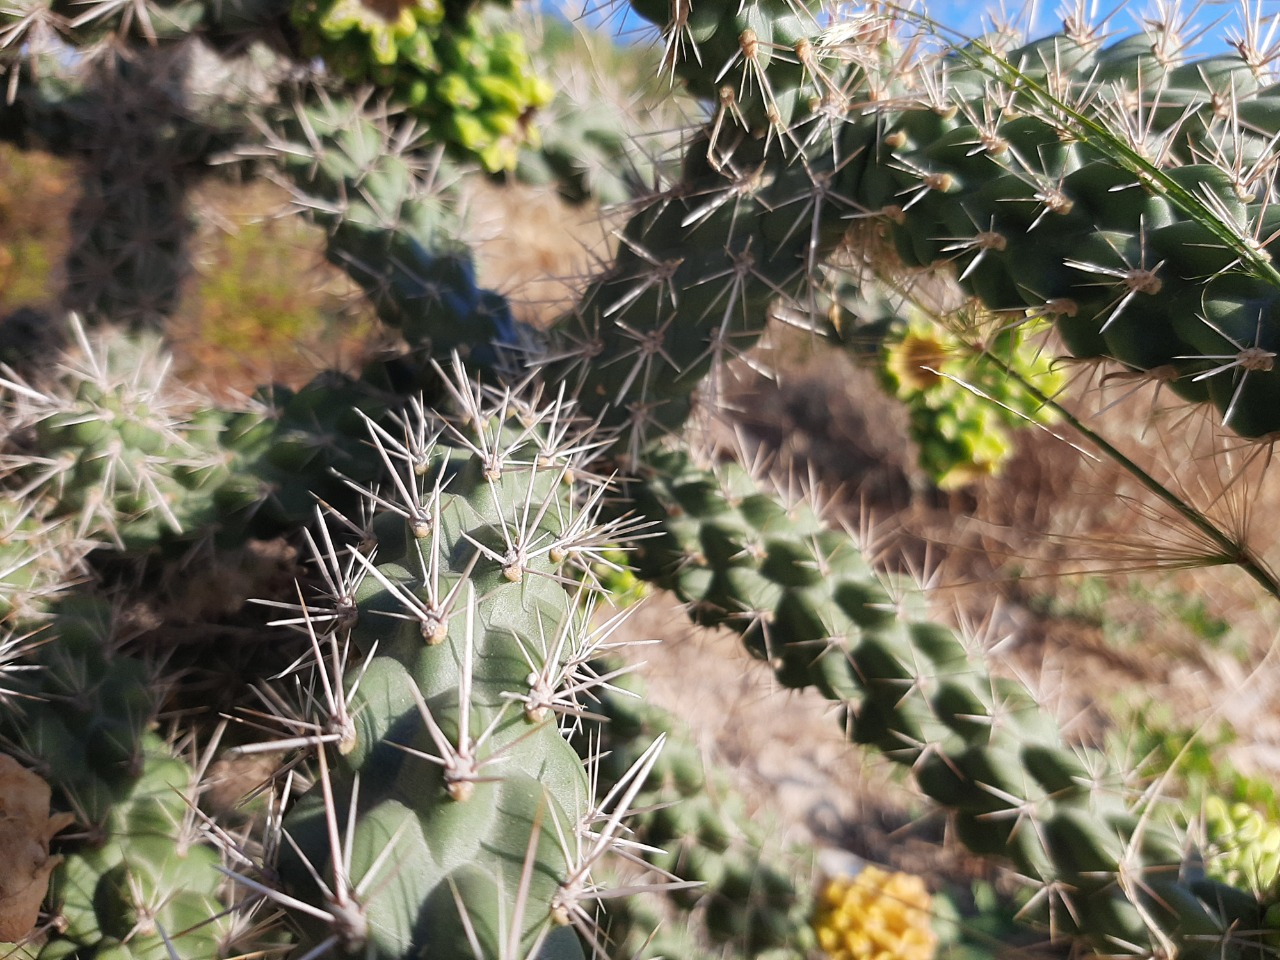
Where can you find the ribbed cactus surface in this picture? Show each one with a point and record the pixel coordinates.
(805, 599)
(454, 817)
(750, 895)
(435, 805)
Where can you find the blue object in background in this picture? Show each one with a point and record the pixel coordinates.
(1214, 21)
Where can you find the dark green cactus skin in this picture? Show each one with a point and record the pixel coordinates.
(751, 900)
(269, 464)
(478, 846)
(804, 598)
(1162, 266)
(722, 50)
(691, 283)
(134, 872)
(392, 232)
(84, 711)
(1035, 201)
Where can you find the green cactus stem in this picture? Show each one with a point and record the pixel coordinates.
(466, 819)
(805, 599)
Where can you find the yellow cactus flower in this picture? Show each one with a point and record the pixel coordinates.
(915, 361)
(875, 915)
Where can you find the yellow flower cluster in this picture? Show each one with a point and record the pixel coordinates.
(875, 916)
(963, 404)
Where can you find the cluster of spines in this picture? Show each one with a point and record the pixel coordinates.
(392, 227)
(450, 647)
(806, 599)
(451, 813)
(693, 279)
(38, 558)
(118, 455)
(1111, 189)
(135, 878)
(101, 452)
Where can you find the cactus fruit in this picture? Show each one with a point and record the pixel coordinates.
(1244, 849)
(359, 39)
(468, 79)
(875, 915)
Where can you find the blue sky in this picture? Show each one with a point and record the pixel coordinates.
(1217, 17)
(1214, 20)
(970, 18)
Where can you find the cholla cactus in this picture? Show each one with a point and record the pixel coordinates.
(1244, 847)
(427, 800)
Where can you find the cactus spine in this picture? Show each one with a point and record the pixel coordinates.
(805, 599)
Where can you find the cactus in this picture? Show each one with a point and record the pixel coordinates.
(472, 83)
(806, 599)
(138, 875)
(468, 816)
(427, 798)
(696, 828)
(1246, 845)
